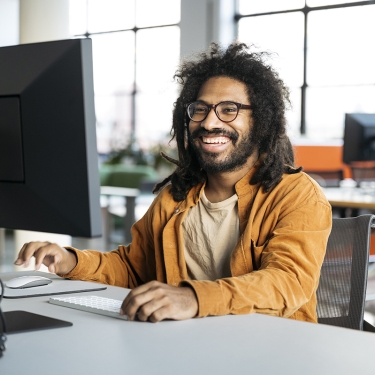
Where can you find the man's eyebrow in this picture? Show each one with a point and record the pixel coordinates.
(221, 101)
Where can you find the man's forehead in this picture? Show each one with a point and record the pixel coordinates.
(222, 88)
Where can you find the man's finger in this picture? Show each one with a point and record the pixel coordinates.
(148, 309)
(132, 303)
(160, 314)
(19, 261)
(137, 291)
(51, 268)
(27, 251)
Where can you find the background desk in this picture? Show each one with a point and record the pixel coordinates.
(356, 198)
(217, 345)
(130, 195)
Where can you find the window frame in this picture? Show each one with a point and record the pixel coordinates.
(134, 91)
(306, 10)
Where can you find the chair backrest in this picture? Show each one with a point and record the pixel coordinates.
(341, 293)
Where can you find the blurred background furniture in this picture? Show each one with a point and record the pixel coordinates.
(363, 172)
(126, 193)
(124, 208)
(329, 178)
(128, 176)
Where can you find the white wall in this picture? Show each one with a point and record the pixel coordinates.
(9, 22)
(30, 21)
(44, 20)
(206, 21)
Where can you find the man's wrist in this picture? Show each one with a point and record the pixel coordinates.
(194, 296)
(71, 262)
(74, 259)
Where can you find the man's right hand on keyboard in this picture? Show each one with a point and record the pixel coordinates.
(57, 259)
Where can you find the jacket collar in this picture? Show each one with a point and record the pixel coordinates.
(242, 187)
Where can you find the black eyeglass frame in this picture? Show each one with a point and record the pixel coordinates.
(213, 106)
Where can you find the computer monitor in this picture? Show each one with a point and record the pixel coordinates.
(359, 137)
(49, 178)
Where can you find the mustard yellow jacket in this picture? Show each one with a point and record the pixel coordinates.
(275, 265)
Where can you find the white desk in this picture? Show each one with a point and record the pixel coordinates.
(247, 344)
(351, 197)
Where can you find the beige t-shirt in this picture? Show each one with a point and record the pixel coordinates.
(211, 231)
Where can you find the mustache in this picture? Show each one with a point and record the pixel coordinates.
(201, 132)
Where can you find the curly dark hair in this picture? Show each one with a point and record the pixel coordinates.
(268, 98)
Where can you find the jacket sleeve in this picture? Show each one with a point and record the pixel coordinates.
(128, 266)
(285, 267)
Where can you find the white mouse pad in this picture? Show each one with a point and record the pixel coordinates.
(58, 285)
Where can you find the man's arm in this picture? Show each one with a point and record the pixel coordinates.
(128, 266)
(56, 258)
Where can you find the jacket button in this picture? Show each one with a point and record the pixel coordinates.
(177, 211)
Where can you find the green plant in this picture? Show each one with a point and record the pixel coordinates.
(132, 154)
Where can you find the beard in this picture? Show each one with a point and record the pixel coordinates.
(209, 161)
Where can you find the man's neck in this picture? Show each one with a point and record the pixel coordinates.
(221, 186)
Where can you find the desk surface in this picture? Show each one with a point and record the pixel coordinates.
(351, 197)
(254, 343)
(119, 191)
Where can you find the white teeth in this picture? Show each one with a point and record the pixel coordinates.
(215, 140)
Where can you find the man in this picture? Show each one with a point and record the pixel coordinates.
(236, 228)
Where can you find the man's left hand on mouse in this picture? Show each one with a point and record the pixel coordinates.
(157, 301)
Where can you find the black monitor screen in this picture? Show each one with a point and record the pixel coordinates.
(359, 137)
(49, 179)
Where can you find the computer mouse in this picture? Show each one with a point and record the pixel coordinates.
(23, 282)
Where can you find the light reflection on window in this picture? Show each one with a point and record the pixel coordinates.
(113, 61)
(341, 52)
(264, 6)
(316, 3)
(283, 35)
(160, 12)
(340, 57)
(156, 64)
(78, 16)
(110, 15)
(133, 69)
(326, 108)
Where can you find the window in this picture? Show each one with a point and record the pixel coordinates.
(136, 46)
(324, 54)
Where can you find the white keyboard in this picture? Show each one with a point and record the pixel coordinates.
(94, 304)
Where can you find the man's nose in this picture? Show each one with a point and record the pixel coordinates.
(211, 121)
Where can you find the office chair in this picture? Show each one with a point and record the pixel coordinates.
(341, 293)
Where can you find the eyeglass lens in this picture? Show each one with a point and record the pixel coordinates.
(225, 111)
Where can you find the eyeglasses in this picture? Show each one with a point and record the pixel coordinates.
(225, 111)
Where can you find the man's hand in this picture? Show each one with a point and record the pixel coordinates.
(156, 301)
(56, 258)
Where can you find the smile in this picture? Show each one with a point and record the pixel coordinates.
(219, 140)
